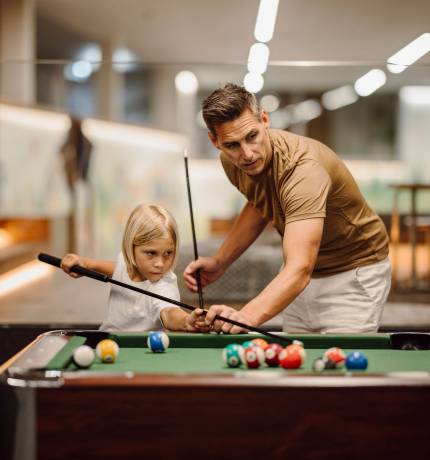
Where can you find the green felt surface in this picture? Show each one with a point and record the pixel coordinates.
(201, 353)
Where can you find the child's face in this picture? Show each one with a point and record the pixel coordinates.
(155, 258)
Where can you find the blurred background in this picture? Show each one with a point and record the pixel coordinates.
(98, 100)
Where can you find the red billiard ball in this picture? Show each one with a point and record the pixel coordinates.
(336, 355)
(272, 354)
(292, 357)
(254, 357)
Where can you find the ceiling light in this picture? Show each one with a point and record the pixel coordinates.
(409, 54)
(186, 82)
(266, 18)
(253, 82)
(307, 110)
(269, 103)
(339, 97)
(370, 82)
(124, 60)
(258, 58)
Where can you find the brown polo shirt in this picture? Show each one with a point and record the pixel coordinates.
(305, 179)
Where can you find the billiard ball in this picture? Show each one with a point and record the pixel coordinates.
(83, 356)
(272, 354)
(356, 361)
(329, 364)
(260, 343)
(319, 364)
(248, 343)
(158, 341)
(254, 357)
(336, 355)
(292, 357)
(232, 355)
(107, 350)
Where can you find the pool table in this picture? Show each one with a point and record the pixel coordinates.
(186, 403)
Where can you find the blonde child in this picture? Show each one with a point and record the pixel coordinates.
(148, 257)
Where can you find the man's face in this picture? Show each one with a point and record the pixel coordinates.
(245, 142)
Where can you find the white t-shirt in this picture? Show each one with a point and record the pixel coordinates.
(132, 311)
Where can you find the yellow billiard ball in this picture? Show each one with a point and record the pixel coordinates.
(107, 350)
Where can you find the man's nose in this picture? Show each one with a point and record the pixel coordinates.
(247, 153)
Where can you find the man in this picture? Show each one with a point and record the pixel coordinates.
(336, 274)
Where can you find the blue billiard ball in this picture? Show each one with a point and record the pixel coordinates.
(356, 361)
(158, 341)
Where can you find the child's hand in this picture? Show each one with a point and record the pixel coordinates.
(68, 261)
(195, 321)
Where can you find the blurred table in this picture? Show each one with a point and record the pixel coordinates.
(413, 189)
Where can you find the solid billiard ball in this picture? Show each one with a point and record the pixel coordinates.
(158, 341)
(336, 355)
(356, 361)
(83, 356)
(254, 357)
(107, 350)
(260, 343)
(272, 354)
(292, 357)
(232, 355)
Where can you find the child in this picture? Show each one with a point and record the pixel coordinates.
(149, 252)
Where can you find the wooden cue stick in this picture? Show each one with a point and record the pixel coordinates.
(193, 229)
(56, 262)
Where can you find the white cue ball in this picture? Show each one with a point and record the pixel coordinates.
(83, 356)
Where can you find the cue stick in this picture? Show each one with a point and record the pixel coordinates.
(193, 229)
(56, 262)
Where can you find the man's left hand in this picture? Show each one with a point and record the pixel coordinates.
(228, 312)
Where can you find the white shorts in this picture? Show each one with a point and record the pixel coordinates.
(352, 301)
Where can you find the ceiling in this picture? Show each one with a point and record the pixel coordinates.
(219, 32)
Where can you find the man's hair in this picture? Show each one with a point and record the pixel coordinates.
(148, 222)
(227, 104)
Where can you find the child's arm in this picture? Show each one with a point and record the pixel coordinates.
(176, 319)
(103, 266)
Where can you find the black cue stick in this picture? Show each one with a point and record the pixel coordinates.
(56, 262)
(196, 253)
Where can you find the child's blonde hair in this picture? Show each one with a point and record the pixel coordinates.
(148, 222)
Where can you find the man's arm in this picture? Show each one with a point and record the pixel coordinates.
(245, 231)
(300, 246)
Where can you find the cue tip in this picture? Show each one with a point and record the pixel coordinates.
(185, 153)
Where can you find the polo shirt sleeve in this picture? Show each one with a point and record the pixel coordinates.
(303, 193)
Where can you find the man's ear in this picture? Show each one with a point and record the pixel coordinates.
(264, 118)
(213, 139)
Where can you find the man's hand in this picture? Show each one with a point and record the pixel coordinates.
(195, 321)
(210, 270)
(228, 312)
